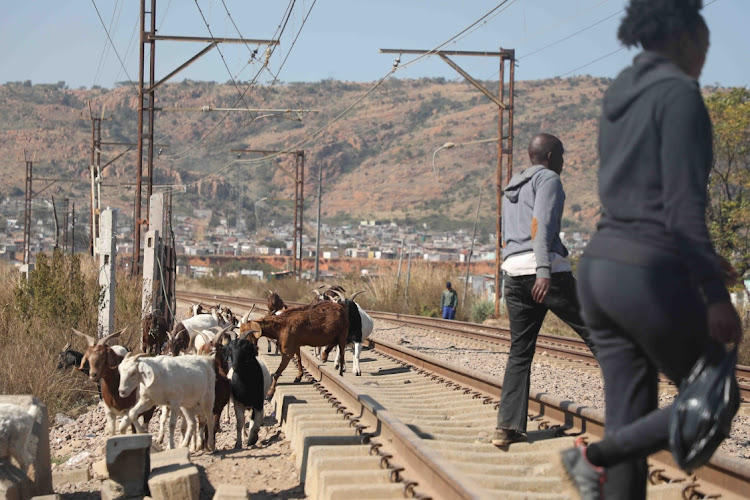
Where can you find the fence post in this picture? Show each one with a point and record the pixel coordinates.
(107, 250)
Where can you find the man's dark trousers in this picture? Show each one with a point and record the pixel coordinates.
(526, 317)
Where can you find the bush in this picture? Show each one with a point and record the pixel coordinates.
(481, 310)
(35, 320)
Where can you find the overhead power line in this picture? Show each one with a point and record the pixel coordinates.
(572, 34)
(113, 46)
(310, 137)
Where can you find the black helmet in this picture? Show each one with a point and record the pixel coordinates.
(703, 411)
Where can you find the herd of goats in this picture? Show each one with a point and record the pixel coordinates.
(212, 357)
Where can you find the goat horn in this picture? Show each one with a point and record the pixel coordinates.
(341, 295)
(103, 340)
(246, 317)
(205, 337)
(358, 293)
(135, 356)
(91, 340)
(316, 292)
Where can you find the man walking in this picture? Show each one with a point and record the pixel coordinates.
(449, 301)
(538, 277)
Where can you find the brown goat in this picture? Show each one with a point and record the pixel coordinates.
(103, 362)
(178, 341)
(222, 387)
(274, 303)
(317, 326)
(153, 333)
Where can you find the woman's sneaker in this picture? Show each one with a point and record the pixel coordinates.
(580, 475)
(505, 437)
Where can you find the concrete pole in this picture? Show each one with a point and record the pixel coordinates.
(153, 261)
(107, 252)
(408, 276)
(150, 292)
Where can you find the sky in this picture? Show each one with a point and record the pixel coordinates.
(47, 41)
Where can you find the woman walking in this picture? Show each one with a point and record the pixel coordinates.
(650, 283)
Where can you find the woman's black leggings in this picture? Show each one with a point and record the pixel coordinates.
(643, 320)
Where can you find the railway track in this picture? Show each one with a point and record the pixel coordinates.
(432, 421)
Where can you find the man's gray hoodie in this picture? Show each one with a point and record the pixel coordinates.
(655, 149)
(532, 212)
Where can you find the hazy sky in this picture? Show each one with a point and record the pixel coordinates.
(51, 40)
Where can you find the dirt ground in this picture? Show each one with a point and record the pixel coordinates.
(266, 469)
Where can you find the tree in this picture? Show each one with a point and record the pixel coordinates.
(729, 181)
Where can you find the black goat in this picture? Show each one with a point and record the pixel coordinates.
(70, 358)
(250, 383)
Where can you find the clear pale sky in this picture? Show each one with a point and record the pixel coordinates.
(47, 41)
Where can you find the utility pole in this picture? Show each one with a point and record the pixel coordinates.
(504, 142)
(299, 198)
(27, 211)
(73, 230)
(317, 231)
(95, 169)
(66, 221)
(146, 107)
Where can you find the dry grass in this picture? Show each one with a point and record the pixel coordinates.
(383, 293)
(34, 327)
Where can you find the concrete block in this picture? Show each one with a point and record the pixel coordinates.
(180, 482)
(330, 446)
(99, 468)
(231, 492)
(14, 484)
(40, 470)
(128, 465)
(177, 456)
(60, 477)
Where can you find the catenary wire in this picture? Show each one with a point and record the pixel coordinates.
(113, 46)
(277, 35)
(346, 111)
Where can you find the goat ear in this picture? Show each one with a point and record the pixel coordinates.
(147, 373)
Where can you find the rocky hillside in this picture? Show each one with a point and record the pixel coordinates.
(377, 159)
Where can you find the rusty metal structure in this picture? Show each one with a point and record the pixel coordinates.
(504, 135)
(147, 86)
(299, 198)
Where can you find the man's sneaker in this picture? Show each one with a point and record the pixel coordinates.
(504, 437)
(579, 474)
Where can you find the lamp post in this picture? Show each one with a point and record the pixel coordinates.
(255, 209)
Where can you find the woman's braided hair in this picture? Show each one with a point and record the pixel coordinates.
(649, 22)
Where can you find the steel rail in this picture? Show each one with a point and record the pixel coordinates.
(730, 475)
(556, 345)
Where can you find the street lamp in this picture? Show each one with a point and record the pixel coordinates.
(255, 208)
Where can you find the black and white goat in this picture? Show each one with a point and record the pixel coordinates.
(360, 327)
(250, 381)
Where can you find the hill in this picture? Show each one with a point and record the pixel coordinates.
(377, 160)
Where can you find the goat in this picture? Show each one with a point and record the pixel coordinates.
(196, 309)
(320, 325)
(202, 341)
(184, 382)
(103, 361)
(153, 333)
(70, 358)
(183, 334)
(250, 381)
(16, 425)
(360, 327)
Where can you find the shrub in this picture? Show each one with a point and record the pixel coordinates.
(480, 311)
(35, 320)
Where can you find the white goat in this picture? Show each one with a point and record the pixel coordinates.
(184, 382)
(16, 425)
